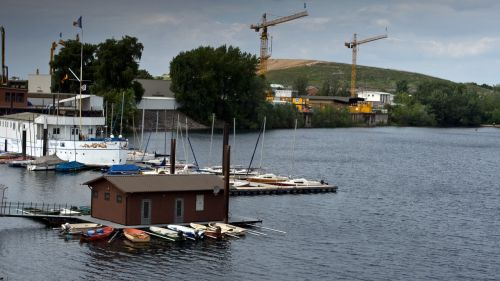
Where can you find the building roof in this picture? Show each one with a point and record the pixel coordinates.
(23, 116)
(161, 183)
(334, 98)
(156, 88)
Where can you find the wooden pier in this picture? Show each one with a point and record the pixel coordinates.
(48, 214)
(281, 190)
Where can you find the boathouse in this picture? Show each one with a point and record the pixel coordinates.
(157, 199)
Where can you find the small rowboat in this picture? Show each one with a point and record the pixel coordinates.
(188, 232)
(136, 235)
(167, 233)
(211, 232)
(78, 228)
(97, 234)
(229, 229)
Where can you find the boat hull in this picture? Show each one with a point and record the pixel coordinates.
(136, 235)
(97, 234)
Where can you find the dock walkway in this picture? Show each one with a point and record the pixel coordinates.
(48, 213)
(280, 190)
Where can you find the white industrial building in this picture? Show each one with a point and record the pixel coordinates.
(377, 98)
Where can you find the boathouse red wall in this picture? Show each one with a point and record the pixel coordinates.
(110, 202)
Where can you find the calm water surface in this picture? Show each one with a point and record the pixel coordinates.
(413, 204)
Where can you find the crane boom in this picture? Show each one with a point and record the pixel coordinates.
(354, 46)
(264, 24)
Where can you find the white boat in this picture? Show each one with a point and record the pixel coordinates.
(229, 229)
(188, 232)
(168, 234)
(44, 163)
(78, 228)
(266, 178)
(68, 212)
(139, 156)
(301, 182)
(63, 138)
(233, 171)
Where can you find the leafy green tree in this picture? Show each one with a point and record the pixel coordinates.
(300, 84)
(402, 87)
(115, 96)
(451, 104)
(411, 114)
(331, 117)
(326, 88)
(69, 58)
(144, 74)
(117, 63)
(221, 80)
(280, 116)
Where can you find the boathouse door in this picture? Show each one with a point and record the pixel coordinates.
(179, 210)
(146, 211)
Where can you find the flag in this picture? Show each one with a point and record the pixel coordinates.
(84, 87)
(60, 34)
(66, 77)
(78, 22)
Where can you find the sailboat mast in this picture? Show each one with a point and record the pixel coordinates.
(142, 130)
(262, 145)
(121, 115)
(111, 119)
(81, 76)
(293, 148)
(211, 140)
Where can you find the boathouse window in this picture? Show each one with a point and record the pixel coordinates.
(106, 196)
(118, 198)
(74, 131)
(95, 194)
(19, 97)
(56, 131)
(90, 131)
(200, 204)
(7, 97)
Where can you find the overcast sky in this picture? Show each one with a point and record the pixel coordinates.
(457, 40)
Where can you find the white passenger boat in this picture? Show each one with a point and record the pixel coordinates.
(61, 135)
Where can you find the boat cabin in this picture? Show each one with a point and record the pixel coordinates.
(157, 199)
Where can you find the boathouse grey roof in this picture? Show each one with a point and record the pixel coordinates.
(161, 183)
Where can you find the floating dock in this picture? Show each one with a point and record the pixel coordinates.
(280, 190)
(45, 213)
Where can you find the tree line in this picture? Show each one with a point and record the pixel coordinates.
(444, 104)
(108, 70)
(223, 81)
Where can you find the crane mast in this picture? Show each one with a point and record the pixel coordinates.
(4, 77)
(263, 25)
(354, 46)
(52, 49)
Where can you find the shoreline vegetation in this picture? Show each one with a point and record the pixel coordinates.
(223, 80)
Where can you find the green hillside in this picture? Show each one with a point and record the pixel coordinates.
(369, 78)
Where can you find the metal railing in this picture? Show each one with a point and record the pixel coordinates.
(34, 209)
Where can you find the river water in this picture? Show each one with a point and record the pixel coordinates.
(412, 204)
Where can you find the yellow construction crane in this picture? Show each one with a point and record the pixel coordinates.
(354, 46)
(52, 49)
(263, 25)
